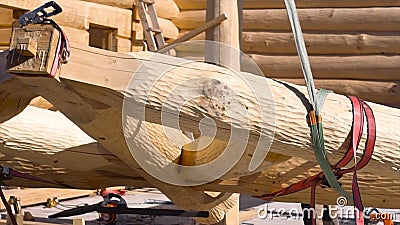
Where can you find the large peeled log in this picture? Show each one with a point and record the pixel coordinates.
(95, 82)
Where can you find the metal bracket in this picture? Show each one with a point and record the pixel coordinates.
(40, 14)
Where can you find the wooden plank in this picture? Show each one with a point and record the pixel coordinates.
(275, 4)
(336, 19)
(80, 37)
(323, 43)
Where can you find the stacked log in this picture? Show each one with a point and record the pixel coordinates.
(78, 15)
(348, 42)
(6, 19)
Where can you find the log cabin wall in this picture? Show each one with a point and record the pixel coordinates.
(354, 45)
(108, 24)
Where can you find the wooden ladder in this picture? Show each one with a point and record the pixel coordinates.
(151, 28)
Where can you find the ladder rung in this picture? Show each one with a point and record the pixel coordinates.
(154, 30)
(148, 1)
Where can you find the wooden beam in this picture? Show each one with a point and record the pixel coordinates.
(79, 14)
(275, 4)
(360, 19)
(107, 76)
(355, 43)
(226, 33)
(193, 33)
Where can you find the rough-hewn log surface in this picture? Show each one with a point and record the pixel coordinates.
(275, 4)
(46, 144)
(290, 138)
(333, 19)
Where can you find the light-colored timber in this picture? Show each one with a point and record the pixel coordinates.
(193, 33)
(318, 43)
(275, 4)
(291, 139)
(368, 67)
(79, 14)
(125, 4)
(330, 19)
(323, 43)
(169, 30)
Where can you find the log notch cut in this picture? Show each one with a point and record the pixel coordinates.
(95, 100)
(348, 42)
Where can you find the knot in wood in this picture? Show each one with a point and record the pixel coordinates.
(217, 96)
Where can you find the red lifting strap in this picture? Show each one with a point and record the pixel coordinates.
(360, 109)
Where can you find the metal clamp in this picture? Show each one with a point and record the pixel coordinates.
(40, 14)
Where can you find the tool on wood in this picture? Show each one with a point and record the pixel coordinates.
(39, 46)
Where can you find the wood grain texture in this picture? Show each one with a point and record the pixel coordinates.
(355, 67)
(168, 28)
(323, 43)
(5, 35)
(166, 9)
(6, 17)
(274, 4)
(125, 4)
(46, 144)
(330, 19)
(383, 92)
(94, 104)
(79, 14)
(365, 67)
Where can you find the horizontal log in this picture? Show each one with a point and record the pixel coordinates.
(53, 146)
(125, 4)
(368, 67)
(383, 92)
(320, 43)
(79, 14)
(317, 43)
(334, 19)
(166, 9)
(5, 35)
(80, 37)
(6, 17)
(95, 88)
(168, 28)
(365, 67)
(124, 45)
(275, 4)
